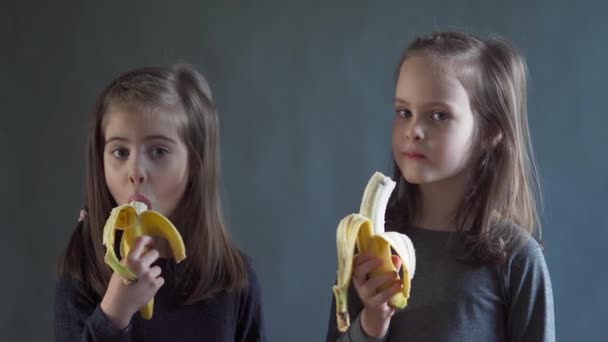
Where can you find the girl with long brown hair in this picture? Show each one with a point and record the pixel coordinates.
(154, 137)
(465, 195)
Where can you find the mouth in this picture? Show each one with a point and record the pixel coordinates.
(413, 155)
(140, 198)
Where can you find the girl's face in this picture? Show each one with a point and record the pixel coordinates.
(433, 129)
(144, 158)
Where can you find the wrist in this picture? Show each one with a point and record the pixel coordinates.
(119, 318)
(373, 324)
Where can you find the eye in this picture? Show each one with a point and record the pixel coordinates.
(404, 113)
(120, 153)
(440, 116)
(159, 152)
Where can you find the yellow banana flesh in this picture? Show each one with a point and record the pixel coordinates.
(135, 220)
(365, 230)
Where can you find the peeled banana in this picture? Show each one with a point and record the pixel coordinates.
(134, 219)
(366, 230)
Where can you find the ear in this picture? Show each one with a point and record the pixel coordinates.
(493, 136)
(496, 139)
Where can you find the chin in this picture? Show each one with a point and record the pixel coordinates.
(415, 179)
(417, 175)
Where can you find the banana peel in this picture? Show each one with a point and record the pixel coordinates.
(135, 220)
(365, 230)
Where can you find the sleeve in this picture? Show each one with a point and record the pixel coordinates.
(250, 325)
(355, 331)
(531, 314)
(78, 315)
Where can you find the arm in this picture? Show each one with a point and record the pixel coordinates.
(529, 296)
(355, 332)
(250, 325)
(78, 315)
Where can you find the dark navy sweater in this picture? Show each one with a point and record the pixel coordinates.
(235, 316)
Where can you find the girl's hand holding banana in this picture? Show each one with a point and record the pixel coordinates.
(139, 226)
(123, 300)
(377, 313)
(365, 230)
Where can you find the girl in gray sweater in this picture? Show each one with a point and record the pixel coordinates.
(465, 195)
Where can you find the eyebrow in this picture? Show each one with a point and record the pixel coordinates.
(147, 138)
(401, 101)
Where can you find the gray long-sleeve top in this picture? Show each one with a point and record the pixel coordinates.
(456, 300)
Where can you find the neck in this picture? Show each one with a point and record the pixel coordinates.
(438, 203)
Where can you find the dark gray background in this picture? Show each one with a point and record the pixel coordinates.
(304, 90)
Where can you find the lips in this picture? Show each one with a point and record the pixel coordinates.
(141, 198)
(413, 155)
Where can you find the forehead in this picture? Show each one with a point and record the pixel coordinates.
(422, 79)
(133, 122)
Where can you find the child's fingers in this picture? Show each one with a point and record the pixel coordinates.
(133, 259)
(139, 246)
(377, 281)
(397, 262)
(152, 274)
(370, 288)
(158, 282)
(148, 258)
(361, 271)
(383, 297)
(361, 258)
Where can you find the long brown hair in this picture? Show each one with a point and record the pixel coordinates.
(213, 263)
(499, 209)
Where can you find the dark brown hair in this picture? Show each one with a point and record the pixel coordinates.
(499, 209)
(213, 263)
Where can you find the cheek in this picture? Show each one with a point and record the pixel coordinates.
(180, 178)
(396, 138)
(169, 178)
(457, 147)
(112, 179)
(108, 172)
(172, 189)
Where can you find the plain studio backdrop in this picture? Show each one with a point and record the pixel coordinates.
(304, 90)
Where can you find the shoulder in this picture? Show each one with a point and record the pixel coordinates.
(250, 326)
(249, 296)
(518, 243)
(68, 284)
(253, 282)
(526, 263)
(72, 292)
(529, 249)
(529, 293)
(524, 248)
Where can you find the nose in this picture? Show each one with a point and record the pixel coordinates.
(414, 130)
(137, 174)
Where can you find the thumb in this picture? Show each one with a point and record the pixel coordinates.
(397, 262)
